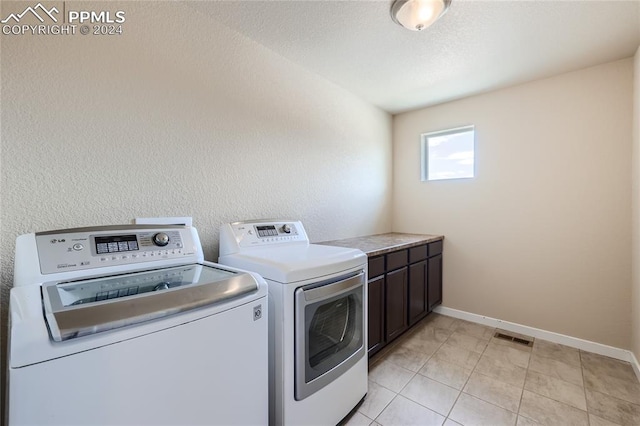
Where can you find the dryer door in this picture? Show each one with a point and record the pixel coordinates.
(329, 332)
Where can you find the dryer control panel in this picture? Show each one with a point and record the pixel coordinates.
(260, 233)
(87, 248)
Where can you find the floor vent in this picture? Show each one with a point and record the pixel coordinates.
(523, 340)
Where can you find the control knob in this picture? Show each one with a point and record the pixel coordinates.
(161, 239)
(286, 229)
(162, 286)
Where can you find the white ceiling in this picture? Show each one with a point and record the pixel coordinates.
(475, 47)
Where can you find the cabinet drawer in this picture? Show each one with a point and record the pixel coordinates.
(376, 266)
(435, 248)
(397, 259)
(416, 254)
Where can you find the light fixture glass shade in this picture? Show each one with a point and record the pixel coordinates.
(416, 15)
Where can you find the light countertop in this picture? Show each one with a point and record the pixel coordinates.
(375, 245)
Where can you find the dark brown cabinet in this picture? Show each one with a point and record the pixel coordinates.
(404, 286)
(396, 303)
(434, 274)
(434, 281)
(418, 292)
(418, 302)
(376, 314)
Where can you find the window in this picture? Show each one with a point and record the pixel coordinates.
(448, 154)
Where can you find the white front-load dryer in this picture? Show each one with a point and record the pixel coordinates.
(317, 319)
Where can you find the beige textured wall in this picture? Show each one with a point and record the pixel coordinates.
(541, 236)
(635, 215)
(181, 116)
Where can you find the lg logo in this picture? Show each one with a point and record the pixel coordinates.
(257, 312)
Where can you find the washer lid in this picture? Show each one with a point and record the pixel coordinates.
(87, 306)
(296, 262)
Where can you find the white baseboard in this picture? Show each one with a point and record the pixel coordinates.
(574, 342)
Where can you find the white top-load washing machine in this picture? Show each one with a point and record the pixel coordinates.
(128, 325)
(317, 319)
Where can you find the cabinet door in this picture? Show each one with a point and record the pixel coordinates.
(375, 315)
(418, 305)
(434, 281)
(396, 303)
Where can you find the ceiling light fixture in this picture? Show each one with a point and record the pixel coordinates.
(416, 15)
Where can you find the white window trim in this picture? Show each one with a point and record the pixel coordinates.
(424, 150)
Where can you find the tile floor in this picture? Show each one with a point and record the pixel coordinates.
(452, 372)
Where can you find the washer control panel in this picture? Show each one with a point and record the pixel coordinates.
(84, 248)
(260, 233)
(286, 231)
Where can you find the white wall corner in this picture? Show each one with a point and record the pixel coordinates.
(635, 217)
